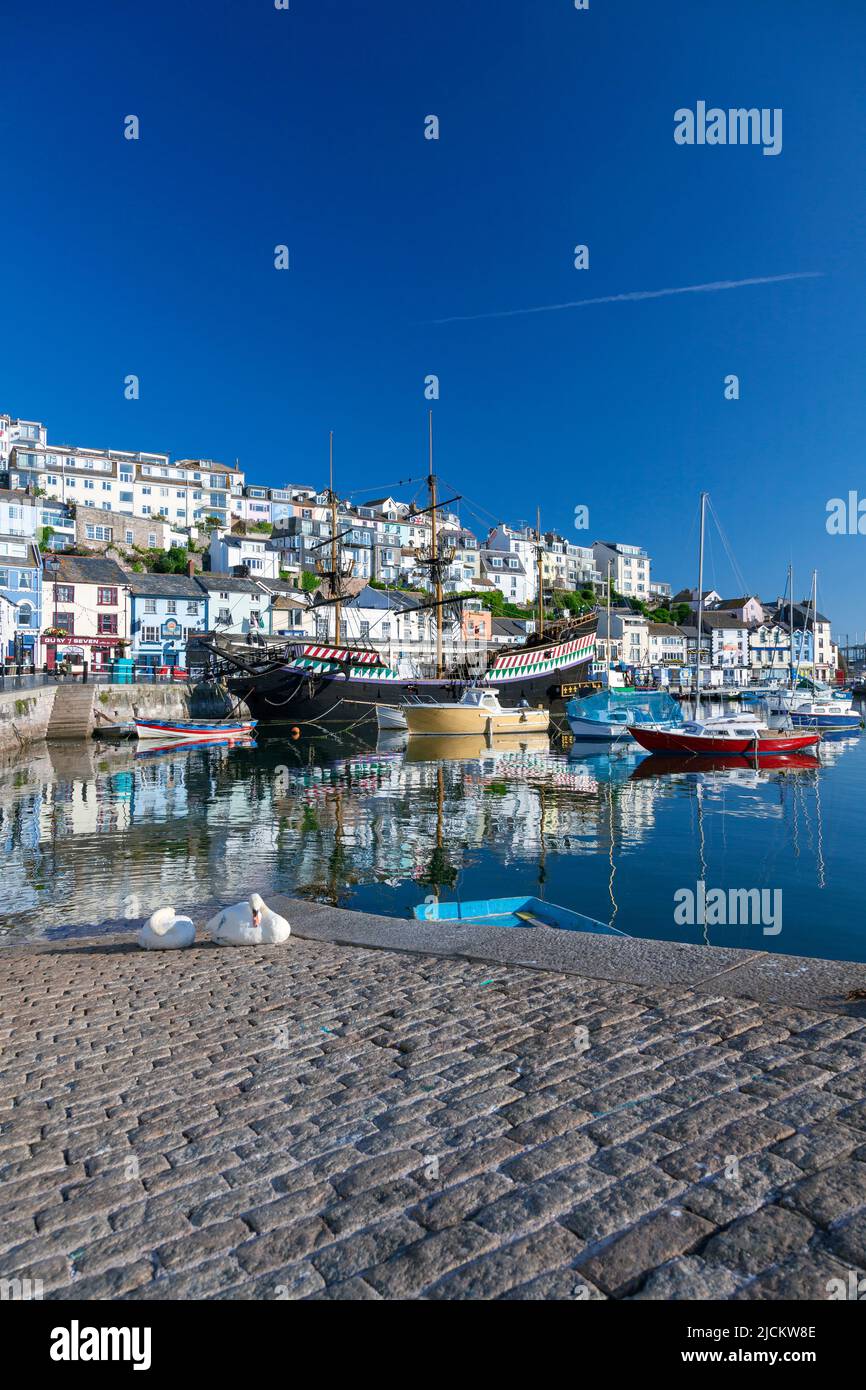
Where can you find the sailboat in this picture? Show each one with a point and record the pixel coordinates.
(723, 733)
(337, 682)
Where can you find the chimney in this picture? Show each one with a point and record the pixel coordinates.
(190, 568)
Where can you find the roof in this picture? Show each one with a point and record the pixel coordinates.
(721, 619)
(87, 569)
(164, 585)
(18, 560)
(508, 560)
(736, 602)
(210, 580)
(394, 600)
(508, 627)
(666, 630)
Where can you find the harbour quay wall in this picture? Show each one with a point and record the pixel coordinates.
(74, 711)
(25, 716)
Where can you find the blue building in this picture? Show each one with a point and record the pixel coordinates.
(21, 584)
(167, 610)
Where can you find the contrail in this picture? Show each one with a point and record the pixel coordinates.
(639, 294)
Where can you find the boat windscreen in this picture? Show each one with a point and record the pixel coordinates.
(633, 706)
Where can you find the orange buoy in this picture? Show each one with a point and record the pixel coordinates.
(295, 731)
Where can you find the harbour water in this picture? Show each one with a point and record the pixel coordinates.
(98, 836)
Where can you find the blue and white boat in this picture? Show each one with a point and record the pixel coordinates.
(512, 912)
(610, 714)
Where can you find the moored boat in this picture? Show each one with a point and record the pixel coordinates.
(610, 714)
(165, 730)
(479, 712)
(511, 912)
(724, 734)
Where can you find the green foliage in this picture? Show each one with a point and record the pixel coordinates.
(264, 527)
(309, 581)
(172, 561)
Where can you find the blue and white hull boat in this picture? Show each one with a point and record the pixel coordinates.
(611, 714)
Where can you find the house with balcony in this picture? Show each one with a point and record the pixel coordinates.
(166, 612)
(630, 567)
(21, 586)
(666, 650)
(86, 610)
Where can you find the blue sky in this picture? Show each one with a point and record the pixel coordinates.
(305, 127)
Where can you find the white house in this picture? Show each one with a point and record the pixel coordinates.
(505, 570)
(629, 567)
(229, 551)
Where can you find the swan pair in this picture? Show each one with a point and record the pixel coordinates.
(246, 924)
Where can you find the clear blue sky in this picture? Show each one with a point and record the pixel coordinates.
(305, 127)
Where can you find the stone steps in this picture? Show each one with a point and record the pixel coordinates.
(72, 715)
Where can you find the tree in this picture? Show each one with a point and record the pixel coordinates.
(309, 581)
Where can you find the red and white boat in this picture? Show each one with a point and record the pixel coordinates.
(743, 734)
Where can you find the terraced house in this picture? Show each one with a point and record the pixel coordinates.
(86, 608)
(21, 585)
(166, 611)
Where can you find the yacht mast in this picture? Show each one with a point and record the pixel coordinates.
(607, 645)
(700, 609)
(791, 619)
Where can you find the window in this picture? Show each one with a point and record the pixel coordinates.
(4, 578)
(98, 533)
(64, 593)
(150, 605)
(171, 605)
(150, 634)
(65, 620)
(130, 537)
(106, 597)
(146, 491)
(365, 631)
(25, 580)
(106, 487)
(107, 624)
(89, 483)
(145, 511)
(151, 536)
(125, 475)
(24, 616)
(192, 607)
(125, 496)
(224, 616)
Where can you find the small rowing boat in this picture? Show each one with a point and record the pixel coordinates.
(511, 912)
(165, 730)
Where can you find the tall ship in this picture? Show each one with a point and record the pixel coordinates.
(340, 682)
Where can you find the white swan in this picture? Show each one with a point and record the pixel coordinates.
(165, 931)
(248, 924)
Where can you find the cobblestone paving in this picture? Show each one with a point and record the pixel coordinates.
(324, 1121)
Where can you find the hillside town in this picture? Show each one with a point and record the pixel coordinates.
(110, 555)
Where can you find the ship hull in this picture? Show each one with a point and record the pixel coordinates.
(318, 689)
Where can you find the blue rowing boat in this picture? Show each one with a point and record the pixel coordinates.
(511, 912)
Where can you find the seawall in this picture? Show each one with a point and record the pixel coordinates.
(72, 711)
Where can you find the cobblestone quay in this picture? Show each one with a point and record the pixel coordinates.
(329, 1120)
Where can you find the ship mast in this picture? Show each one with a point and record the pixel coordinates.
(435, 568)
(335, 549)
(540, 562)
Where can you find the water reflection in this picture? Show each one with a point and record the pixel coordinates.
(95, 834)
